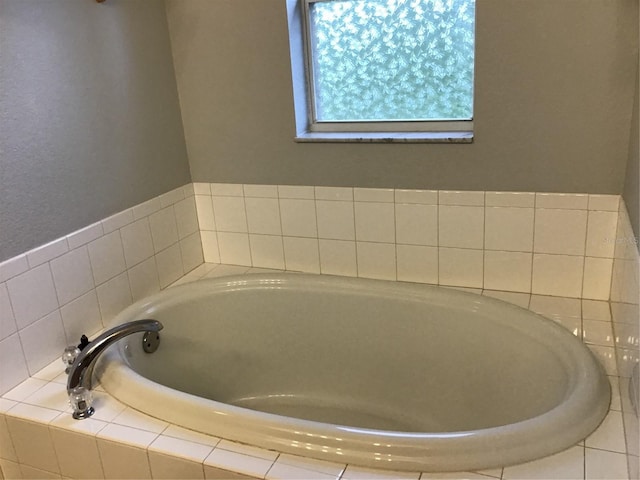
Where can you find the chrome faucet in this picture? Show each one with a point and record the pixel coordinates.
(80, 373)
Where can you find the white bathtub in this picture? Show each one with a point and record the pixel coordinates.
(365, 372)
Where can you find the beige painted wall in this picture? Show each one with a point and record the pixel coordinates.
(89, 115)
(554, 88)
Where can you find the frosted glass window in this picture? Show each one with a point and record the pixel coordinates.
(390, 60)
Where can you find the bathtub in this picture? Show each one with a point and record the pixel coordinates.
(365, 372)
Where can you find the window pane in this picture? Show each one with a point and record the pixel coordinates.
(392, 59)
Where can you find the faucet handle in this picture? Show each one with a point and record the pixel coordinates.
(69, 356)
(84, 341)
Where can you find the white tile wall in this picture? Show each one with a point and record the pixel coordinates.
(51, 295)
(625, 313)
(548, 244)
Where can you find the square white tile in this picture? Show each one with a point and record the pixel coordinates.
(609, 435)
(460, 267)
(72, 275)
(13, 366)
(417, 263)
(596, 310)
(186, 217)
(263, 216)
(169, 263)
(461, 227)
(507, 271)
(191, 251)
(338, 257)
(559, 275)
(210, 250)
(42, 341)
(230, 214)
(7, 451)
(204, 211)
(164, 230)
(32, 295)
(170, 467)
(81, 317)
(114, 296)
(375, 222)
(123, 461)
(301, 254)
(33, 444)
(560, 231)
(597, 278)
(601, 234)
(376, 260)
(107, 257)
(298, 217)
(568, 464)
(416, 224)
(335, 220)
(234, 248)
(603, 465)
(267, 251)
(67, 445)
(136, 242)
(509, 229)
(52, 396)
(143, 279)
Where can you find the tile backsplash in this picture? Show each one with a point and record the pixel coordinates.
(546, 244)
(75, 285)
(542, 243)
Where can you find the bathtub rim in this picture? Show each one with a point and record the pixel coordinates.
(553, 431)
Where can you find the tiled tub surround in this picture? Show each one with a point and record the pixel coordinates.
(74, 285)
(52, 295)
(39, 439)
(626, 324)
(548, 244)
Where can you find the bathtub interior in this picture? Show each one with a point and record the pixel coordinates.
(334, 354)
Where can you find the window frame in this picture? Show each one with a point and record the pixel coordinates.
(429, 131)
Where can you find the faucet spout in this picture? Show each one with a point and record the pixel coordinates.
(82, 369)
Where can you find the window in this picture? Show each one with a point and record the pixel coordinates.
(383, 69)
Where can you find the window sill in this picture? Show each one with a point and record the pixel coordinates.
(385, 137)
